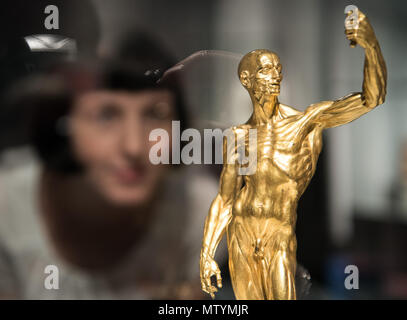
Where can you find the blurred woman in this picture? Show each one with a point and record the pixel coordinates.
(90, 202)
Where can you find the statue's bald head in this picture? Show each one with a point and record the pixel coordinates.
(258, 61)
(251, 60)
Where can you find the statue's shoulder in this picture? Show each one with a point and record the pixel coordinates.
(287, 111)
(241, 128)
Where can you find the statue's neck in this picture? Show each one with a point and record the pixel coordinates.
(264, 109)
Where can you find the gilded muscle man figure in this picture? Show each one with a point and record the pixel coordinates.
(258, 211)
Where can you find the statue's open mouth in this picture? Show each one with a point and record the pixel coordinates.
(273, 88)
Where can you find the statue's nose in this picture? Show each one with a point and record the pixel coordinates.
(275, 73)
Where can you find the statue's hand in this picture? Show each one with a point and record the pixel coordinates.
(363, 34)
(209, 268)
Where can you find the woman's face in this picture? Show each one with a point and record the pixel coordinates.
(110, 138)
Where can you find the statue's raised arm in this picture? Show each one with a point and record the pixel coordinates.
(334, 113)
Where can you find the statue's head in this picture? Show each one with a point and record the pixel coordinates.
(260, 73)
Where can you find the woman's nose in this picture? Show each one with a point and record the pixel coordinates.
(133, 140)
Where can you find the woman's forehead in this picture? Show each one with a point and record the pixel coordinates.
(124, 99)
(128, 95)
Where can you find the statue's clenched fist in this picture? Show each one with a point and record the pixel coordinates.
(359, 32)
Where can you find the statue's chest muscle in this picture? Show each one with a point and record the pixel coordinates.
(287, 147)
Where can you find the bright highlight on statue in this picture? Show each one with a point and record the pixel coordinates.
(258, 211)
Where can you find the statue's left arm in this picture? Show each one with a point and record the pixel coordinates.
(329, 114)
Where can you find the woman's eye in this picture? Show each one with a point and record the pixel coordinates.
(159, 111)
(107, 114)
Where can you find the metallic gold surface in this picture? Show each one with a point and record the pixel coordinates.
(258, 211)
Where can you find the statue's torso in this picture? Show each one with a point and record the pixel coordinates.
(287, 152)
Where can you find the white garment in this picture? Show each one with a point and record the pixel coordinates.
(25, 251)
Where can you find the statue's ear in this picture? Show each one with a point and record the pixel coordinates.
(245, 79)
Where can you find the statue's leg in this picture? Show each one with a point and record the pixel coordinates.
(283, 275)
(279, 267)
(245, 271)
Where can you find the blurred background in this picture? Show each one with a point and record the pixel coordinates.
(355, 209)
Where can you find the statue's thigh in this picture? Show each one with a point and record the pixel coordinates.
(245, 272)
(279, 275)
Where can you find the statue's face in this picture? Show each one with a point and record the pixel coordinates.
(267, 76)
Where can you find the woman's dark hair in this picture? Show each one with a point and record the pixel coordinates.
(48, 100)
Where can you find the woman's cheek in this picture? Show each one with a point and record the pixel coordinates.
(90, 148)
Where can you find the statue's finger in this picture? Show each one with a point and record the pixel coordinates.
(361, 15)
(219, 279)
(203, 286)
(208, 282)
(205, 289)
(350, 33)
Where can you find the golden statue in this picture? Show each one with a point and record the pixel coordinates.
(258, 211)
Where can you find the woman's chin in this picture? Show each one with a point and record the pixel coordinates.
(127, 197)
